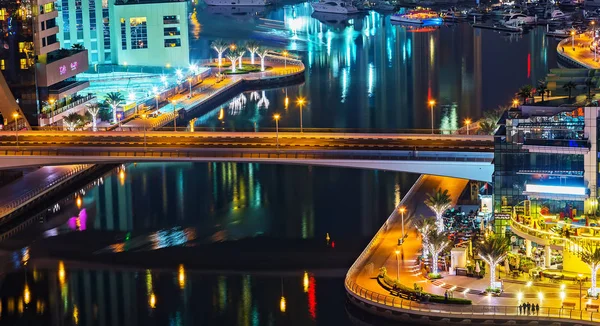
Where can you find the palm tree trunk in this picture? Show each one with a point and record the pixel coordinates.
(262, 63)
(252, 58)
(593, 290)
(492, 275)
(114, 113)
(232, 64)
(434, 261)
(94, 123)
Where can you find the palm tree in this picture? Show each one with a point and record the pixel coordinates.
(439, 202)
(252, 47)
(590, 84)
(93, 109)
(436, 242)
(114, 99)
(591, 256)
(77, 46)
(425, 226)
(493, 251)
(241, 52)
(525, 92)
(233, 55)
(220, 47)
(262, 53)
(542, 88)
(486, 127)
(72, 121)
(569, 86)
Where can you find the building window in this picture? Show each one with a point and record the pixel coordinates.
(139, 33)
(123, 35)
(3, 15)
(51, 23)
(172, 42)
(92, 9)
(23, 63)
(43, 42)
(173, 19)
(94, 57)
(65, 15)
(172, 31)
(105, 28)
(49, 7)
(2, 65)
(78, 16)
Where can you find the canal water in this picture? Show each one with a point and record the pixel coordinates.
(362, 72)
(365, 72)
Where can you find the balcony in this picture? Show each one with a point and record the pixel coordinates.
(50, 116)
(60, 65)
(66, 88)
(557, 146)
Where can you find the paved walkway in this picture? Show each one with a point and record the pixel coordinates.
(20, 191)
(466, 287)
(581, 52)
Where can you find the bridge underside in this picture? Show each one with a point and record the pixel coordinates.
(480, 171)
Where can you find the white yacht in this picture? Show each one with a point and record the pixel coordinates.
(519, 19)
(334, 7)
(559, 15)
(237, 2)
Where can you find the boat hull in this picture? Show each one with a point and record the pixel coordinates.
(321, 7)
(237, 2)
(427, 21)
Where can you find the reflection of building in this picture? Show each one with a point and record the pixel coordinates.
(29, 33)
(150, 33)
(545, 176)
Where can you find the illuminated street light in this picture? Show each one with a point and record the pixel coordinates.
(119, 119)
(276, 117)
(26, 294)
(181, 277)
(402, 209)
(300, 101)
(16, 116)
(529, 283)
(515, 103)
(467, 123)
(51, 101)
(573, 39)
(232, 46)
(305, 282)
(190, 84)
(144, 119)
(193, 69)
(78, 201)
(61, 273)
(179, 74)
(540, 296)
(152, 301)
(285, 54)
(519, 296)
(282, 305)
(431, 104)
(174, 115)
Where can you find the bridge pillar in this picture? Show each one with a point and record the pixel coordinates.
(547, 256)
(527, 248)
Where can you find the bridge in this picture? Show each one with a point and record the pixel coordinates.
(460, 156)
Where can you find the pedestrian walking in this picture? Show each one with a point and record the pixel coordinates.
(520, 309)
(537, 309)
(528, 308)
(524, 307)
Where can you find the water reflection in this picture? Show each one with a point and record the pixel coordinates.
(178, 297)
(364, 72)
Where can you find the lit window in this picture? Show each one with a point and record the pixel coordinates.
(139, 33)
(21, 47)
(23, 63)
(2, 65)
(3, 15)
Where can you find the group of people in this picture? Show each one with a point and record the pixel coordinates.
(529, 308)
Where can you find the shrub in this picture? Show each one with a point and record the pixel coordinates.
(434, 276)
(493, 290)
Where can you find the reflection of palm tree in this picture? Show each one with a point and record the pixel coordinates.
(439, 202)
(590, 84)
(591, 256)
(264, 101)
(569, 86)
(493, 251)
(254, 96)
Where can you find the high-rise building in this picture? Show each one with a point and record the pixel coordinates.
(35, 70)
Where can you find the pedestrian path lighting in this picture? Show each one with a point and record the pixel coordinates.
(515, 103)
(276, 117)
(467, 123)
(540, 296)
(144, 116)
(580, 280)
(174, 114)
(16, 116)
(190, 84)
(573, 39)
(402, 209)
(431, 104)
(520, 296)
(119, 119)
(156, 98)
(300, 102)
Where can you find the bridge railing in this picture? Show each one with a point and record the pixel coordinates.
(247, 154)
(30, 195)
(466, 311)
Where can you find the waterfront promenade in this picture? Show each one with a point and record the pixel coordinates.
(362, 284)
(577, 52)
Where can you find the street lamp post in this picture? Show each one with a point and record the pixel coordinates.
(285, 54)
(402, 210)
(397, 266)
(144, 119)
(579, 279)
(16, 116)
(468, 123)
(190, 83)
(156, 98)
(52, 109)
(573, 39)
(174, 115)
(431, 104)
(119, 119)
(300, 101)
(515, 103)
(276, 117)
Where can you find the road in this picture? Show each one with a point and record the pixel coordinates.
(292, 140)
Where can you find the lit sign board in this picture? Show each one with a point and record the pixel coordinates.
(559, 190)
(63, 69)
(501, 216)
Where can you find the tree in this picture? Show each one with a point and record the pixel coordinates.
(589, 84)
(569, 86)
(233, 55)
(75, 121)
(220, 47)
(114, 99)
(493, 251)
(425, 226)
(93, 109)
(542, 88)
(262, 53)
(591, 256)
(439, 202)
(252, 47)
(241, 56)
(486, 127)
(436, 242)
(525, 92)
(77, 46)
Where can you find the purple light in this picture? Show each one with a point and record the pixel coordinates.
(78, 223)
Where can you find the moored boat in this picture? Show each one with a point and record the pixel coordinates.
(417, 17)
(237, 2)
(334, 7)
